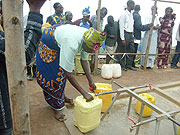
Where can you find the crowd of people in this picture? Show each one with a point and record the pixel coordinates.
(59, 40)
(130, 28)
(124, 36)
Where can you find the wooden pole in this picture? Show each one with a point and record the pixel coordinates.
(150, 35)
(50, 4)
(167, 1)
(15, 62)
(98, 28)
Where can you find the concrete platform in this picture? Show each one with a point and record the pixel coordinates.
(116, 122)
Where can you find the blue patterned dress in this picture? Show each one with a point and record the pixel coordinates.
(50, 76)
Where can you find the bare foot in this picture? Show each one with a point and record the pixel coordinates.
(59, 116)
(69, 100)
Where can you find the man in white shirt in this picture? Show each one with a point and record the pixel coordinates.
(126, 45)
(176, 57)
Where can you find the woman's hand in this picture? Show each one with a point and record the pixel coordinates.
(35, 5)
(92, 87)
(88, 97)
(112, 36)
(76, 85)
(123, 42)
(156, 27)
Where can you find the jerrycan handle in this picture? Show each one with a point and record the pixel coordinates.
(92, 90)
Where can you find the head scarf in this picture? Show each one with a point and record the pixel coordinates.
(67, 13)
(94, 38)
(86, 11)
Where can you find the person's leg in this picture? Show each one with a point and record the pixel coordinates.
(92, 63)
(60, 116)
(166, 50)
(68, 100)
(165, 58)
(134, 56)
(176, 57)
(160, 57)
(28, 70)
(110, 51)
(120, 58)
(29, 75)
(129, 49)
(117, 57)
(57, 105)
(108, 59)
(7, 131)
(34, 70)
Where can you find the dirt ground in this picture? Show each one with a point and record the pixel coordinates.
(42, 118)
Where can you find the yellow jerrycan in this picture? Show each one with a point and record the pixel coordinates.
(106, 99)
(147, 111)
(87, 114)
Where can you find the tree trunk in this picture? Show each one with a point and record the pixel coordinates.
(15, 62)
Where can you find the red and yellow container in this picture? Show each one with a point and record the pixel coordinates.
(147, 111)
(106, 99)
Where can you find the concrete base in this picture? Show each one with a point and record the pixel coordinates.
(116, 122)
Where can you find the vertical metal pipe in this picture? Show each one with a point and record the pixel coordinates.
(140, 118)
(114, 99)
(175, 127)
(129, 106)
(157, 127)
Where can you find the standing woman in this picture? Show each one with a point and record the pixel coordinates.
(165, 37)
(58, 17)
(153, 45)
(84, 22)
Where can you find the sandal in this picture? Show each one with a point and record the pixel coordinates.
(60, 117)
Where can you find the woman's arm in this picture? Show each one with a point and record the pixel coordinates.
(85, 67)
(76, 85)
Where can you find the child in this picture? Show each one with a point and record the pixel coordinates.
(112, 30)
(69, 17)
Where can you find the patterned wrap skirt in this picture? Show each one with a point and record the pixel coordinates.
(50, 76)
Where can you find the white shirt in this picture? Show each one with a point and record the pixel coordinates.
(177, 34)
(149, 20)
(126, 23)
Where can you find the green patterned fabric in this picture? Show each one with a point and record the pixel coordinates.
(93, 37)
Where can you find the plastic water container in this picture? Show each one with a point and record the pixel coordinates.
(106, 99)
(107, 71)
(116, 69)
(87, 114)
(147, 111)
(179, 131)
